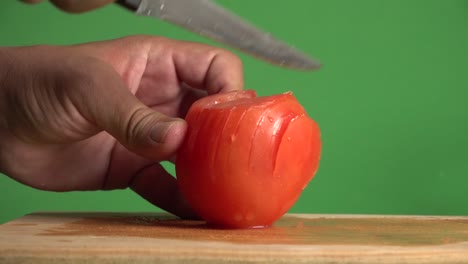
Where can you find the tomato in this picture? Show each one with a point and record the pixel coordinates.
(246, 159)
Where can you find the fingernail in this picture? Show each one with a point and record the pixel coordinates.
(160, 130)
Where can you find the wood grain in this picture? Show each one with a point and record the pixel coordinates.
(161, 238)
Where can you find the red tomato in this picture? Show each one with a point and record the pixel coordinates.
(246, 159)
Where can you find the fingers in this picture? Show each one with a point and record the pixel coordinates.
(201, 66)
(79, 6)
(102, 97)
(157, 186)
(172, 62)
(209, 68)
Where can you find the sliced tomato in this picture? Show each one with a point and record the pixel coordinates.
(246, 159)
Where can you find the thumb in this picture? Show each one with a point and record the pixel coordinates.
(107, 102)
(147, 132)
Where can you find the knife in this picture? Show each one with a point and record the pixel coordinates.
(210, 20)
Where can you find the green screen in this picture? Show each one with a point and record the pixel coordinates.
(391, 98)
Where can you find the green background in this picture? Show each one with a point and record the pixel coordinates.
(391, 99)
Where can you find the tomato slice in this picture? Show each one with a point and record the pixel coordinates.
(207, 114)
(273, 123)
(269, 132)
(220, 99)
(297, 159)
(193, 119)
(232, 151)
(204, 148)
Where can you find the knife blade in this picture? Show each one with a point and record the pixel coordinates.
(210, 20)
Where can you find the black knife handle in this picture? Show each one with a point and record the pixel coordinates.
(129, 4)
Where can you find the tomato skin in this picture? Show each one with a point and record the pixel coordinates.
(246, 159)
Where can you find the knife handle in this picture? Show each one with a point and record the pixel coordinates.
(129, 4)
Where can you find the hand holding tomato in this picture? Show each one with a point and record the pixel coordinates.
(246, 159)
(102, 115)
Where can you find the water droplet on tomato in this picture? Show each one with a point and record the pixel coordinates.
(289, 138)
(271, 119)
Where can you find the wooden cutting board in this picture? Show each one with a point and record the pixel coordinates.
(161, 238)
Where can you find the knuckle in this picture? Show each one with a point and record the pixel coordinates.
(145, 40)
(234, 59)
(86, 72)
(82, 82)
(229, 56)
(136, 124)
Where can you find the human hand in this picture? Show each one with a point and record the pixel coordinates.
(103, 115)
(74, 6)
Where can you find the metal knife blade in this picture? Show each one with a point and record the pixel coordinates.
(208, 19)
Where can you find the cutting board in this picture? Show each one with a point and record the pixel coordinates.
(296, 238)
